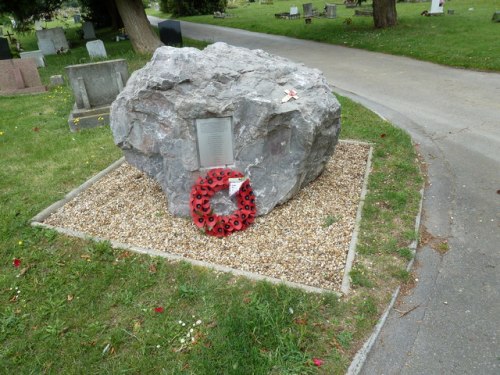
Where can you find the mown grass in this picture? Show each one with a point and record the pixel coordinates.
(466, 39)
(76, 306)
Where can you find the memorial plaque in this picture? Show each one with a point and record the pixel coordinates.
(215, 142)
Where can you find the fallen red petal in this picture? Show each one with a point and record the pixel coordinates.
(16, 262)
(318, 362)
(159, 309)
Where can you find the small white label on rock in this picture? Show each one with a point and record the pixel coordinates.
(235, 185)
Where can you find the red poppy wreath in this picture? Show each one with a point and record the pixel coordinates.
(204, 217)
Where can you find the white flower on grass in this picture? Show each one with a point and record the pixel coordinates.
(183, 341)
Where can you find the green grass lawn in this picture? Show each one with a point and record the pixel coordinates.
(73, 306)
(467, 39)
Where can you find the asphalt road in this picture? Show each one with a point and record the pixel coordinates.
(453, 116)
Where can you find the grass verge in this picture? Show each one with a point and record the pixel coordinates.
(81, 306)
(466, 39)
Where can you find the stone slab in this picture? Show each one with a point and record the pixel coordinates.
(88, 30)
(36, 55)
(97, 84)
(85, 119)
(96, 49)
(19, 76)
(52, 41)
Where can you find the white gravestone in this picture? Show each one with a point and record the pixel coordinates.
(437, 6)
(38, 25)
(96, 48)
(37, 55)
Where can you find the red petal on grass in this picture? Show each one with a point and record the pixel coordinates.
(36, 129)
(318, 362)
(159, 309)
(382, 135)
(16, 263)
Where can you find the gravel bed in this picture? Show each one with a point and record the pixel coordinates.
(292, 242)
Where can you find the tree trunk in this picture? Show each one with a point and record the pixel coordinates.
(384, 13)
(116, 21)
(137, 27)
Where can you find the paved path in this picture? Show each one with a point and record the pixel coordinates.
(454, 117)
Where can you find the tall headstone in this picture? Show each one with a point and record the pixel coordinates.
(95, 86)
(18, 76)
(88, 30)
(77, 18)
(52, 41)
(37, 55)
(5, 53)
(308, 9)
(170, 33)
(331, 10)
(96, 48)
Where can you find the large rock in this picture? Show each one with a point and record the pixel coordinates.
(281, 147)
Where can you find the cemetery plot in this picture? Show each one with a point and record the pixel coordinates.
(304, 241)
(95, 86)
(19, 76)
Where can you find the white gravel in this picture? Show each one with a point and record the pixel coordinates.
(290, 243)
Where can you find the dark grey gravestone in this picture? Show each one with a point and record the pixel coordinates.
(5, 49)
(77, 18)
(88, 30)
(496, 16)
(308, 9)
(170, 33)
(331, 10)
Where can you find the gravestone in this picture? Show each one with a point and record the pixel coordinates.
(331, 11)
(18, 76)
(170, 33)
(37, 55)
(77, 18)
(56, 80)
(187, 111)
(52, 41)
(436, 7)
(38, 25)
(5, 53)
(308, 9)
(496, 16)
(95, 86)
(88, 30)
(96, 48)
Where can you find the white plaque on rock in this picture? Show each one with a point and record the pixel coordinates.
(215, 141)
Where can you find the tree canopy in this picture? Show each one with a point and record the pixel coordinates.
(26, 11)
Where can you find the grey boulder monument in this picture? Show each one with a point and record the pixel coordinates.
(187, 111)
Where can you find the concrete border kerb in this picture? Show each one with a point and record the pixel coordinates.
(37, 221)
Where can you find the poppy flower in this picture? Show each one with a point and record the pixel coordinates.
(159, 309)
(211, 220)
(218, 230)
(318, 362)
(16, 263)
(199, 221)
